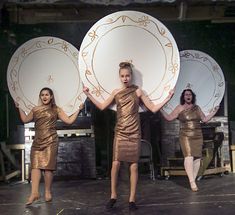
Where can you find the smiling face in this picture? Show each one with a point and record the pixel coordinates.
(125, 76)
(46, 97)
(188, 97)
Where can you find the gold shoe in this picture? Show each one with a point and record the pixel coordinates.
(32, 198)
(48, 197)
(193, 186)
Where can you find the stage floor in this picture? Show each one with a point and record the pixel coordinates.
(88, 197)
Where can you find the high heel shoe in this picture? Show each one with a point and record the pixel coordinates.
(48, 197)
(32, 198)
(110, 204)
(193, 186)
(132, 206)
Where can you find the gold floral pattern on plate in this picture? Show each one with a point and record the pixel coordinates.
(201, 73)
(45, 62)
(134, 37)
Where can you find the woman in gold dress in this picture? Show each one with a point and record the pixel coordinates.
(126, 144)
(190, 136)
(45, 145)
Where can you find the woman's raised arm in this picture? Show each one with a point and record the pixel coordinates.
(149, 104)
(69, 119)
(100, 105)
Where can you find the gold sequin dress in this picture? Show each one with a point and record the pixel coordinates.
(191, 139)
(126, 145)
(45, 145)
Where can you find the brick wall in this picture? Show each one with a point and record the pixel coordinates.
(169, 139)
(76, 157)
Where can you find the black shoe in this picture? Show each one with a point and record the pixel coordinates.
(111, 203)
(132, 206)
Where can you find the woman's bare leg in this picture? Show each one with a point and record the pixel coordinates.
(133, 181)
(48, 177)
(196, 167)
(188, 165)
(35, 180)
(114, 178)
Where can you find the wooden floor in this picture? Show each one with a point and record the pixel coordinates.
(88, 197)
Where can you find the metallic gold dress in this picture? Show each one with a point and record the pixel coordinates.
(191, 139)
(126, 145)
(45, 145)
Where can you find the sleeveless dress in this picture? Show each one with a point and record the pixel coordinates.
(45, 145)
(191, 139)
(126, 145)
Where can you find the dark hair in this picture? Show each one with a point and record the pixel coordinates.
(125, 65)
(53, 104)
(182, 101)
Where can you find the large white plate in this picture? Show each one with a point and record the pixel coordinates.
(45, 62)
(135, 37)
(203, 75)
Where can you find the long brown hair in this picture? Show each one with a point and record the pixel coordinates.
(52, 102)
(182, 101)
